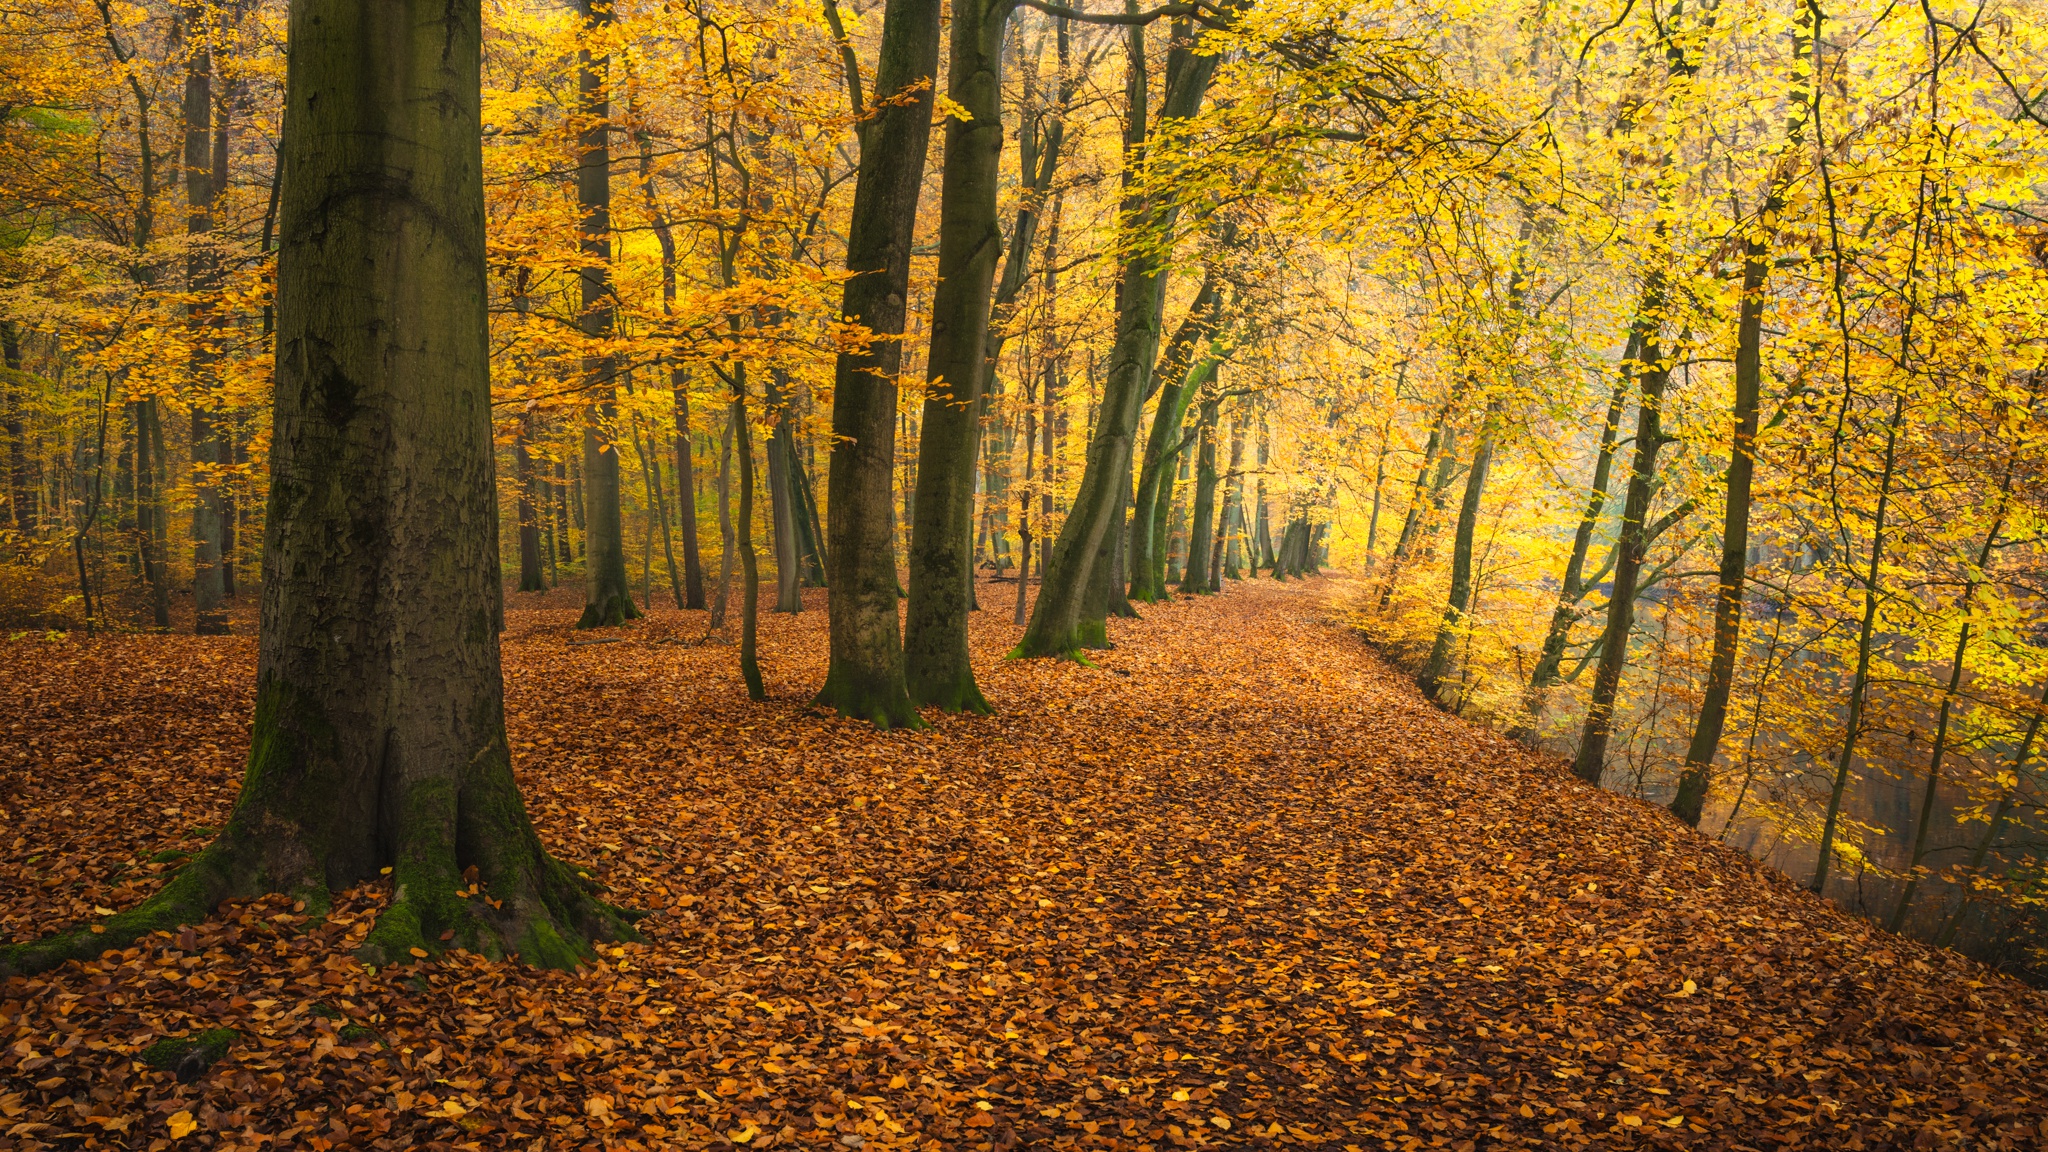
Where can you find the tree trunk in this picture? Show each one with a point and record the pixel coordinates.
(865, 677)
(1728, 585)
(209, 456)
(2008, 799)
(784, 510)
(1175, 370)
(728, 555)
(379, 733)
(150, 512)
(750, 573)
(1233, 501)
(1065, 583)
(1652, 374)
(607, 591)
(530, 576)
(1438, 450)
(21, 489)
(1859, 685)
(936, 665)
(1196, 575)
(1572, 588)
(1439, 661)
(686, 490)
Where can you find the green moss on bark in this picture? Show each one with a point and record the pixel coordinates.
(883, 706)
(610, 612)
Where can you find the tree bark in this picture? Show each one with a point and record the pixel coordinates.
(1734, 570)
(1652, 374)
(379, 731)
(1066, 582)
(21, 489)
(1859, 684)
(686, 490)
(936, 666)
(865, 677)
(784, 509)
(607, 591)
(209, 455)
(531, 578)
(1196, 576)
(750, 573)
(1439, 661)
(1572, 588)
(1176, 391)
(1233, 501)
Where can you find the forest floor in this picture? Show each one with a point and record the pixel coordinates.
(1240, 885)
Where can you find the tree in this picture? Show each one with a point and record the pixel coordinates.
(379, 737)
(607, 592)
(936, 665)
(865, 676)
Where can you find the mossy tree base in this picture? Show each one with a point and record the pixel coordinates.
(379, 734)
(884, 707)
(609, 612)
(954, 694)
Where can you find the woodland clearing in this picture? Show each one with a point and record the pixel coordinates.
(1238, 885)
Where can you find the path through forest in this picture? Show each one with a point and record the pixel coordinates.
(1240, 885)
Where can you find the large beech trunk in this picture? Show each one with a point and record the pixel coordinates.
(865, 677)
(209, 447)
(936, 666)
(608, 592)
(379, 736)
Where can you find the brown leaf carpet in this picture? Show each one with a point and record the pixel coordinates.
(1238, 886)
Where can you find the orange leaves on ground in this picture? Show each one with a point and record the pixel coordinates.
(1239, 886)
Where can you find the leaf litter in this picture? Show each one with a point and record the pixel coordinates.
(1252, 892)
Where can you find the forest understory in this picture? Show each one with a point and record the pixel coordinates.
(1238, 885)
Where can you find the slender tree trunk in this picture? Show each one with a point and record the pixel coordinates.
(1652, 374)
(21, 488)
(650, 473)
(1233, 500)
(564, 547)
(1090, 533)
(686, 490)
(530, 576)
(1148, 565)
(1196, 576)
(782, 504)
(865, 677)
(1728, 586)
(608, 594)
(368, 753)
(1438, 664)
(1976, 573)
(2008, 799)
(209, 456)
(1572, 588)
(750, 575)
(150, 511)
(1859, 684)
(1024, 537)
(1437, 451)
(728, 558)
(1379, 483)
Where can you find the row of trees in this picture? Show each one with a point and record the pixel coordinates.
(398, 292)
(1719, 471)
(1669, 369)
